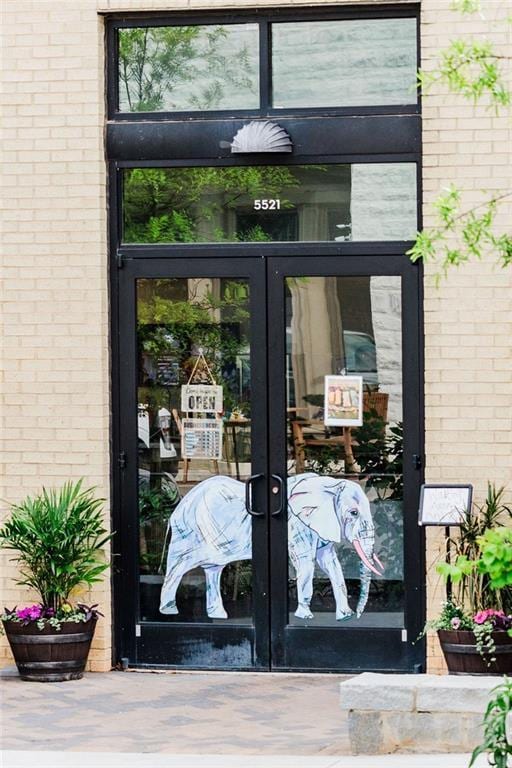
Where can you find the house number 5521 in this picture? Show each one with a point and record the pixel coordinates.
(267, 205)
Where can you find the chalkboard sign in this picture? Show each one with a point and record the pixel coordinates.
(444, 504)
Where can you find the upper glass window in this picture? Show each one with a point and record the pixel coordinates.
(367, 62)
(310, 64)
(176, 69)
(266, 203)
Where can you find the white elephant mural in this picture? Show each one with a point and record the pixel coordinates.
(210, 528)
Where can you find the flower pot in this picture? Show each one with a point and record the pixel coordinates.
(48, 655)
(462, 656)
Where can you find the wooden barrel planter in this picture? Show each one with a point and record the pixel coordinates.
(49, 656)
(462, 656)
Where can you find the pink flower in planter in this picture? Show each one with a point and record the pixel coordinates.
(489, 615)
(30, 613)
(455, 622)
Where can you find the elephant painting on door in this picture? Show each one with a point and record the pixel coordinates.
(210, 528)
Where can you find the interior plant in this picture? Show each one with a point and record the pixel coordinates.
(59, 537)
(479, 611)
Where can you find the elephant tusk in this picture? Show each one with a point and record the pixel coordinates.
(376, 560)
(358, 548)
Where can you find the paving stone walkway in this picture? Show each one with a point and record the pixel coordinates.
(125, 760)
(195, 714)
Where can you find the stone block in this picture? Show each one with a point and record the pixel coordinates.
(430, 732)
(365, 732)
(373, 733)
(374, 692)
(454, 694)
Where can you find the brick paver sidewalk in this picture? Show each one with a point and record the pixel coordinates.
(197, 713)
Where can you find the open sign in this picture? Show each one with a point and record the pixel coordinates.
(201, 398)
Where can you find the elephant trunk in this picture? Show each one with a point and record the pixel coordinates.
(369, 563)
(365, 576)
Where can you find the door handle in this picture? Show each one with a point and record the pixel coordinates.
(248, 495)
(278, 489)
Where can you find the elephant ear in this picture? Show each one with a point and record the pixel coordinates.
(316, 509)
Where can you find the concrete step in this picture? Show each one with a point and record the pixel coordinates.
(415, 713)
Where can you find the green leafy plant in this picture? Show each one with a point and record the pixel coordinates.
(495, 742)
(60, 537)
(465, 569)
(496, 557)
(452, 616)
(473, 69)
(156, 505)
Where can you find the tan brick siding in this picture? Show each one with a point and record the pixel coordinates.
(55, 390)
(55, 400)
(468, 319)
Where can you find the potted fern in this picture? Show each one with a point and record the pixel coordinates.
(59, 537)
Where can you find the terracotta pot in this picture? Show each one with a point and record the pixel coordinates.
(48, 655)
(462, 657)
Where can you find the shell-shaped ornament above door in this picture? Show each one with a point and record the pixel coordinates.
(261, 136)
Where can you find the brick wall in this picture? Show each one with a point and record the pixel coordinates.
(468, 320)
(55, 391)
(55, 406)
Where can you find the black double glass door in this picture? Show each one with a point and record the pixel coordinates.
(268, 442)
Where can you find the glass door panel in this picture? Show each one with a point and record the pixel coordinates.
(341, 602)
(194, 558)
(196, 416)
(345, 481)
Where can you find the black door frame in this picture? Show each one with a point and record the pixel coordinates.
(153, 643)
(334, 135)
(293, 647)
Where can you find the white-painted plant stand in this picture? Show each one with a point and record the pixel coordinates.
(415, 713)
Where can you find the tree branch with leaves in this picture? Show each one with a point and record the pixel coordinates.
(474, 70)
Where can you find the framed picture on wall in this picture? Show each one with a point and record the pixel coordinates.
(444, 504)
(343, 401)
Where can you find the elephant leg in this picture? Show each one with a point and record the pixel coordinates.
(170, 586)
(214, 605)
(328, 561)
(305, 568)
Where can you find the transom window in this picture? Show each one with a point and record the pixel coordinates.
(264, 65)
(270, 203)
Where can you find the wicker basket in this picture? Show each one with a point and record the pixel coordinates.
(378, 402)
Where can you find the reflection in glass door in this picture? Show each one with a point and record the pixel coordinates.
(194, 422)
(345, 598)
(345, 425)
(200, 511)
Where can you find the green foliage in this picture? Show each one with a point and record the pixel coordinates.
(179, 327)
(470, 69)
(474, 589)
(157, 503)
(471, 233)
(169, 205)
(380, 455)
(496, 557)
(466, 6)
(451, 615)
(60, 538)
(473, 70)
(495, 741)
(155, 61)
